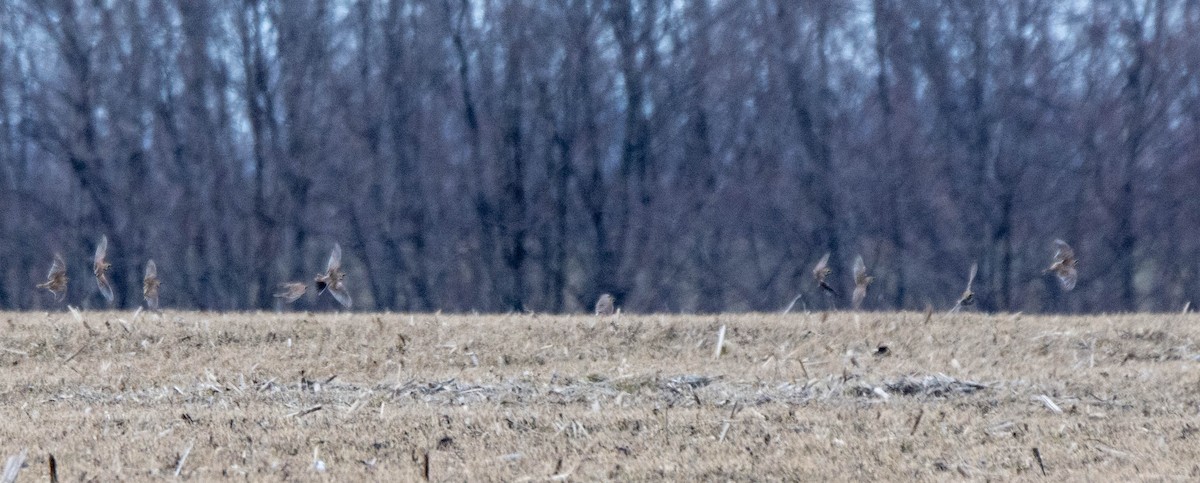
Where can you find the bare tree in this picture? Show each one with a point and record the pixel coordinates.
(527, 155)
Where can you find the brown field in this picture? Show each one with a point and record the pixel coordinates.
(299, 396)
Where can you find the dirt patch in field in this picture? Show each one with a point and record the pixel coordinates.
(511, 397)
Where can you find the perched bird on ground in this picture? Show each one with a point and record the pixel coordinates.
(968, 296)
(606, 305)
(861, 280)
(291, 291)
(333, 277)
(101, 267)
(1064, 265)
(150, 285)
(56, 280)
(821, 271)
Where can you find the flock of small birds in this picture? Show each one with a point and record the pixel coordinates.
(1063, 267)
(333, 280)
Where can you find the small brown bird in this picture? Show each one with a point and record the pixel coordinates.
(1064, 265)
(150, 285)
(606, 305)
(101, 267)
(861, 281)
(56, 280)
(291, 291)
(821, 271)
(333, 277)
(968, 296)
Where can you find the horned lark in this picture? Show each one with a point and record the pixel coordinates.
(150, 286)
(291, 291)
(1064, 265)
(56, 280)
(968, 296)
(861, 280)
(605, 305)
(821, 271)
(101, 267)
(333, 278)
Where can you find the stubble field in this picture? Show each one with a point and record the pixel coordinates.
(398, 397)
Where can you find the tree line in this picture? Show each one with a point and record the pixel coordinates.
(493, 155)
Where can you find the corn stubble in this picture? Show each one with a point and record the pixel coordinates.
(393, 397)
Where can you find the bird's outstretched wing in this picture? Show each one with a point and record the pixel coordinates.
(150, 285)
(819, 271)
(335, 258)
(1068, 276)
(57, 267)
(291, 292)
(338, 290)
(105, 288)
(1063, 251)
(101, 250)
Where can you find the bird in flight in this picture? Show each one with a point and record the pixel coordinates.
(605, 305)
(861, 280)
(333, 277)
(968, 296)
(821, 271)
(291, 291)
(150, 285)
(101, 267)
(1064, 265)
(56, 280)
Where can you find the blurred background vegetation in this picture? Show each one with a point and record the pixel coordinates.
(698, 156)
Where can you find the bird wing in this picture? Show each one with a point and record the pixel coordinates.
(821, 266)
(58, 266)
(604, 305)
(151, 297)
(105, 289)
(101, 249)
(1064, 251)
(860, 270)
(291, 291)
(1069, 277)
(971, 277)
(335, 258)
(338, 290)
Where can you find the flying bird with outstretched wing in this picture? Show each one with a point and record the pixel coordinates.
(1064, 265)
(861, 281)
(56, 280)
(821, 272)
(333, 277)
(101, 267)
(150, 285)
(968, 295)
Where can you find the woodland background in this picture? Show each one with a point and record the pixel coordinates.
(698, 156)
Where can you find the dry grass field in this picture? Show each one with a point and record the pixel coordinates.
(393, 397)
